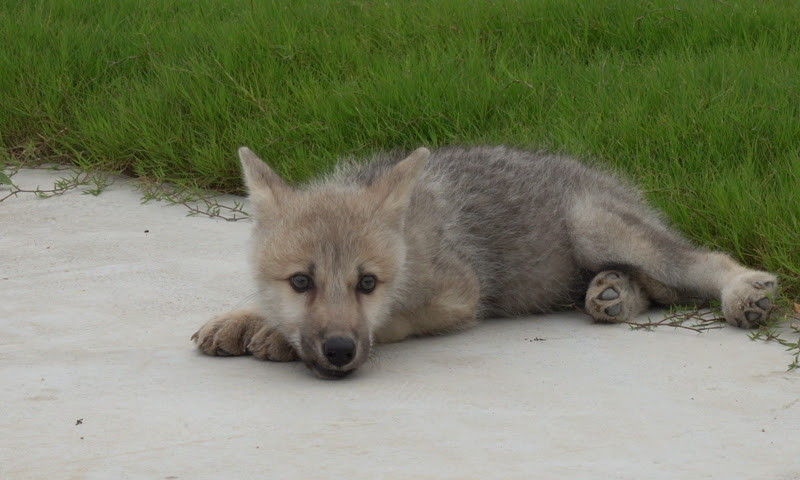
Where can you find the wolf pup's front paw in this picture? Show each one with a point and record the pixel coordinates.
(747, 299)
(268, 344)
(228, 334)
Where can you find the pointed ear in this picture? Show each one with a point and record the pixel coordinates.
(265, 187)
(393, 189)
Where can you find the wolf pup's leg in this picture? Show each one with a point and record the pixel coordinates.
(662, 265)
(243, 332)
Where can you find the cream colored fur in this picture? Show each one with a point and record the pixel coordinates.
(453, 237)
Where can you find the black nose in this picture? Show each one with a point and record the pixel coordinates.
(339, 351)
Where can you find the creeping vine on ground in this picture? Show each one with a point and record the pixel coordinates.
(38, 154)
(775, 330)
(94, 182)
(784, 321)
(197, 201)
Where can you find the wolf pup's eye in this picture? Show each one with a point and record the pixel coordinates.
(301, 283)
(367, 284)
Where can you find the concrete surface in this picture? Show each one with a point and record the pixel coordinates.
(99, 295)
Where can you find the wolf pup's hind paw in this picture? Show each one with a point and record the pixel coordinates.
(612, 297)
(747, 299)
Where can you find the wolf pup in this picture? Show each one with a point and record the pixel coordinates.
(432, 243)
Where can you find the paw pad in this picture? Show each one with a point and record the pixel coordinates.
(752, 317)
(764, 303)
(609, 294)
(613, 310)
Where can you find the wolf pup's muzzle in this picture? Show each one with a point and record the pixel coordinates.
(338, 353)
(339, 350)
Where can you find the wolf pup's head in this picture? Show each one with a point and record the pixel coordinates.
(329, 259)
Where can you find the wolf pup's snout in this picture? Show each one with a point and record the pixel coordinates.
(339, 350)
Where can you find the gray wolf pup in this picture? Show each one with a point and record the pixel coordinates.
(432, 242)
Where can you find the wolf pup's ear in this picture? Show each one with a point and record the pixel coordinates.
(393, 189)
(265, 187)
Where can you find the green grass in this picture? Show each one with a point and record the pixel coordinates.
(697, 100)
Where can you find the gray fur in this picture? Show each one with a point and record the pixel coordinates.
(510, 214)
(454, 236)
